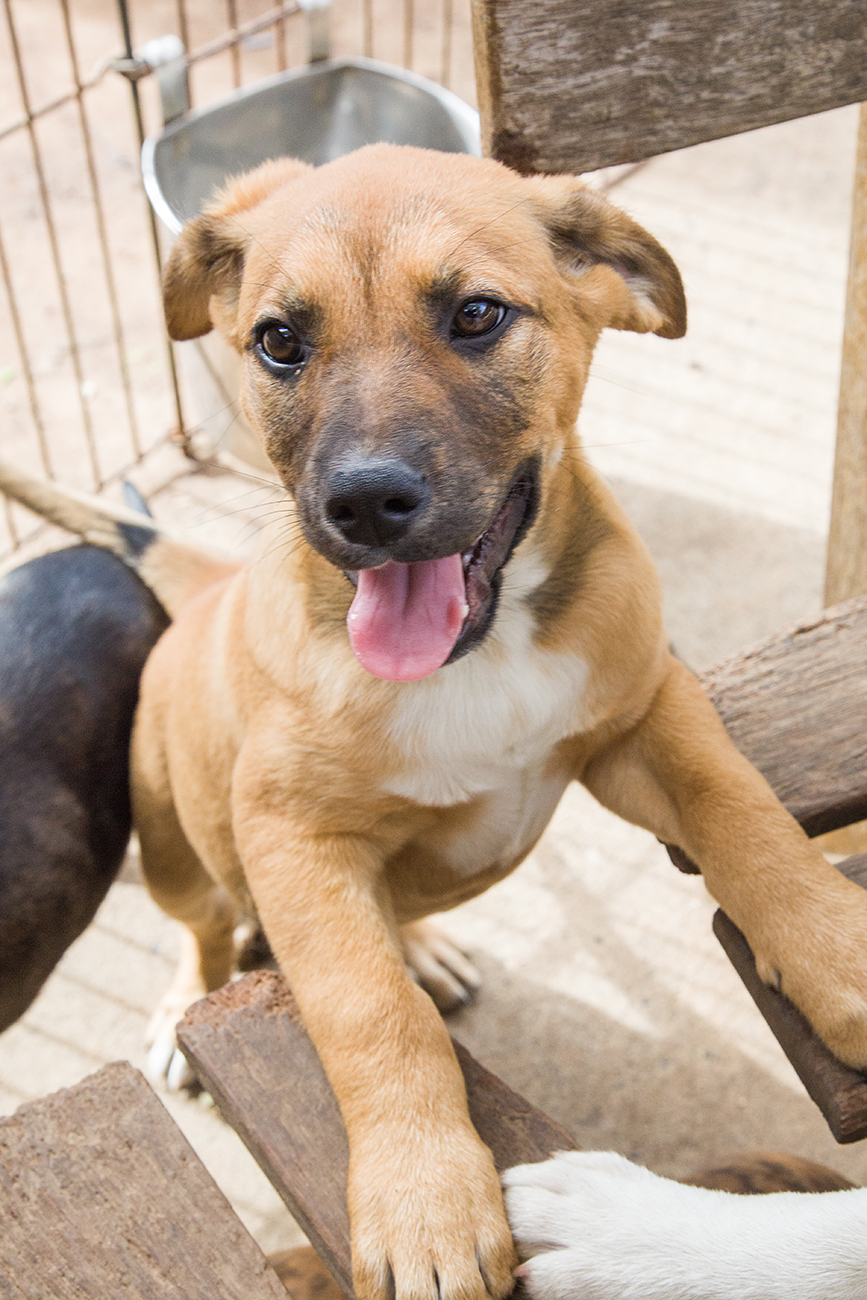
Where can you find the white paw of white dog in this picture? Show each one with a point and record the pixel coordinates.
(572, 1203)
(593, 1226)
(443, 971)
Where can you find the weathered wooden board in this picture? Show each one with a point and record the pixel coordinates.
(839, 1091)
(796, 706)
(102, 1196)
(572, 85)
(846, 572)
(248, 1046)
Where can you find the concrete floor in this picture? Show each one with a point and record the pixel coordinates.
(606, 1001)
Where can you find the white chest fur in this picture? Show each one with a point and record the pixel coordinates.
(487, 724)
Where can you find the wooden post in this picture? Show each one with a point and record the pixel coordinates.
(248, 1046)
(846, 572)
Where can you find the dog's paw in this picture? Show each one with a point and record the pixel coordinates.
(165, 1063)
(556, 1204)
(428, 1221)
(820, 964)
(596, 1227)
(442, 970)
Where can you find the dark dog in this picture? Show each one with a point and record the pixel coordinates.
(75, 629)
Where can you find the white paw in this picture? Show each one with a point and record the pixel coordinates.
(596, 1227)
(556, 1204)
(165, 1063)
(439, 966)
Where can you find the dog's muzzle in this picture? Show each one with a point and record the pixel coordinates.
(407, 620)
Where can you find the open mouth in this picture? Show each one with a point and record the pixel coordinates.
(407, 620)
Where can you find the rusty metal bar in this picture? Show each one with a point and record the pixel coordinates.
(11, 527)
(446, 52)
(235, 47)
(20, 123)
(96, 198)
(181, 431)
(367, 28)
(260, 24)
(407, 32)
(74, 352)
(183, 24)
(271, 18)
(184, 34)
(280, 44)
(24, 357)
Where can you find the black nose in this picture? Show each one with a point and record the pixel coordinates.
(374, 502)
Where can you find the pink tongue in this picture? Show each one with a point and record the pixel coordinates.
(405, 618)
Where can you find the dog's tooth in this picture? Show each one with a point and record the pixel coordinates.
(465, 609)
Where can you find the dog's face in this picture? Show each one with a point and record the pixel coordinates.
(417, 329)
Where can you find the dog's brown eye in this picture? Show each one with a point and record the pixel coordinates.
(477, 317)
(282, 345)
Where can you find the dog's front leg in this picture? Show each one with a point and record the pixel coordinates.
(677, 773)
(424, 1199)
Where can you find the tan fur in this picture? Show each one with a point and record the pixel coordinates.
(270, 767)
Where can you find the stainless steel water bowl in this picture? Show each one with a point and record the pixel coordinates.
(316, 113)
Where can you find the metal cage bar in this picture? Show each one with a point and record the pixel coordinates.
(234, 37)
(51, 229)
(181, 430)
(20, 123)
(24, 357)
(446, 47)
(367, 28)
(99, 215)
(398, 29)
(235, 47)
(408, 22)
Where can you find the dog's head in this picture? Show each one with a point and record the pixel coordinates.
(417, 331)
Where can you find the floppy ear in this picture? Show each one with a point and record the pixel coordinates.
(207, 260)
(587, 231)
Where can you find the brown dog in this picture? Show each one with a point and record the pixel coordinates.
(416, 331)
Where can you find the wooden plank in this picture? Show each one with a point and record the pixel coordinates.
(839, 1091)
(796, 707)
(846, 572)
(249, 1048)
(101, 1195)
(572, 85)
(247, 1044)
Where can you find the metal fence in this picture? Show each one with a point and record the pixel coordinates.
(88, 381)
